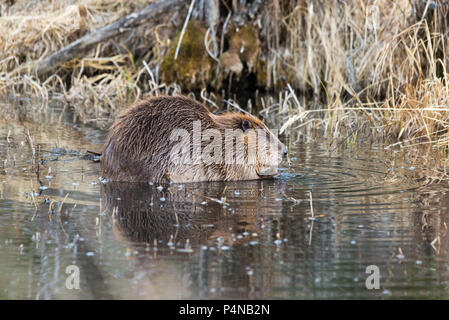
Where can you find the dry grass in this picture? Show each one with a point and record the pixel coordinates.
(378, 61)
(97, 85)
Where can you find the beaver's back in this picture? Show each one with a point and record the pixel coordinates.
(138, 145)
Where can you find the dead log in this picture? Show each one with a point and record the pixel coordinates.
(79, 47)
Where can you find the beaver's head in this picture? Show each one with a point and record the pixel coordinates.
(250, 149)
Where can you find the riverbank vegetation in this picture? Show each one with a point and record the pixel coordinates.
(341, 65)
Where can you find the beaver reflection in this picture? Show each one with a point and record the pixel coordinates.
(216, 215)
(197, 212)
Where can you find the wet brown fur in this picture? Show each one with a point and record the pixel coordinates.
(138, 146)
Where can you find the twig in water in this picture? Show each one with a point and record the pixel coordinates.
(34, 199)
(220, 201)
(311, 210)
(59, 216)
(311, 203)
(296, 201)
(62, 203)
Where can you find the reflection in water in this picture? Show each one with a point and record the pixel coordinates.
(253, 239)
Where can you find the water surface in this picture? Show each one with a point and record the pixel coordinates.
(310, 234)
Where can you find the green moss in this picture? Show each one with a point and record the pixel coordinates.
(192, 66)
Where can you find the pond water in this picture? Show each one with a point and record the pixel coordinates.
(310, 234)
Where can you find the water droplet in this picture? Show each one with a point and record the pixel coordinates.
(386, 292)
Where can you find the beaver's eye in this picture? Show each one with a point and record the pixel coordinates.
(245, 125)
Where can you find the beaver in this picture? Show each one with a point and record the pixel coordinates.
(151, 141)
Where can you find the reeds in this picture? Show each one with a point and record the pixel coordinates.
(378, 61)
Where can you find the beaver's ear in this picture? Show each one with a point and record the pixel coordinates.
(245, 125)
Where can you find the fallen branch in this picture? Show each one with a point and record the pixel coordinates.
(87, 42)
